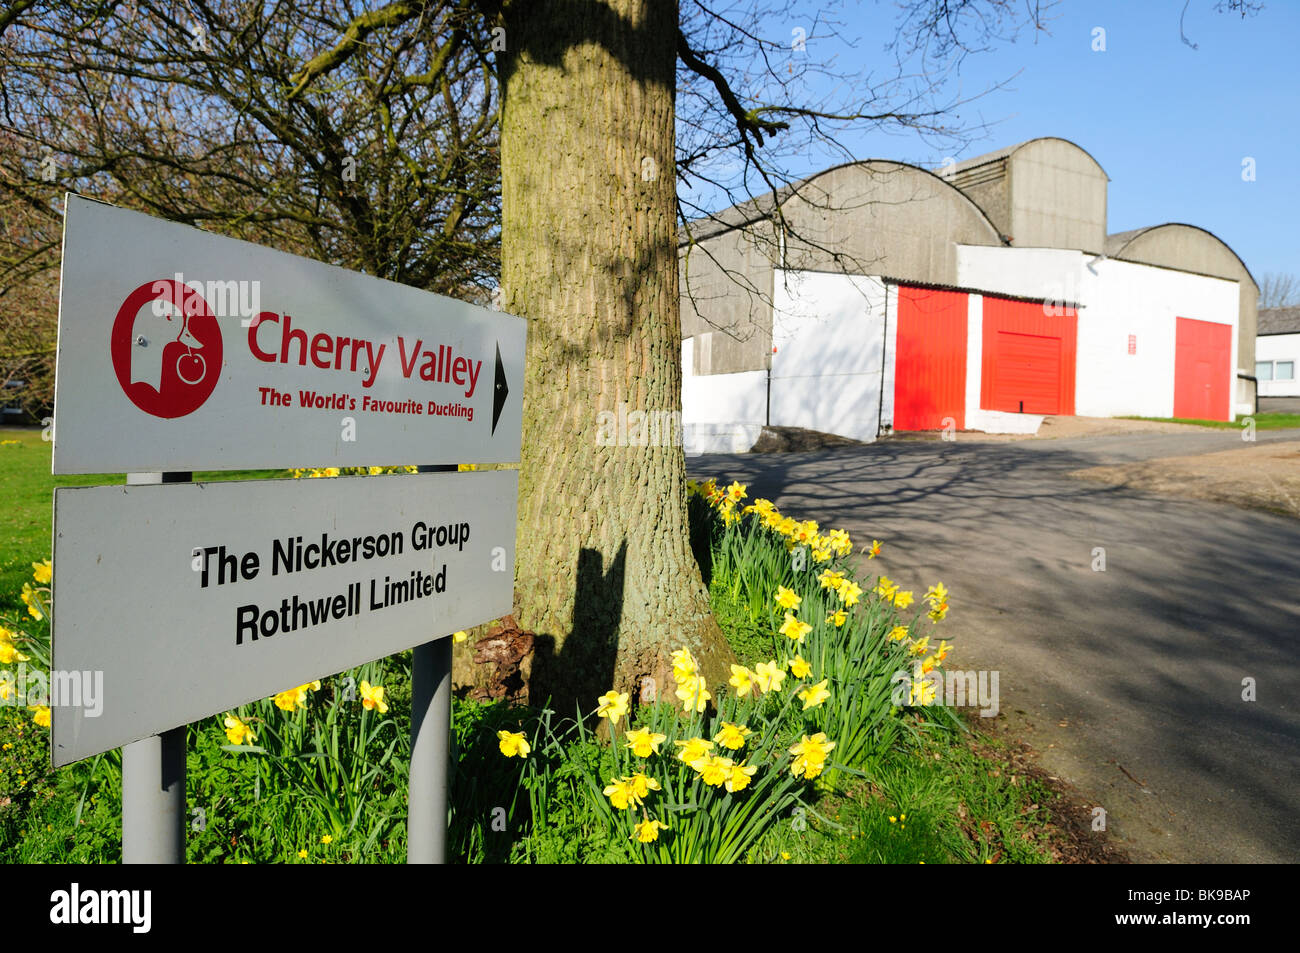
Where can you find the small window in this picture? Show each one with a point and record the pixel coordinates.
(1264, 370)
(1285, 371)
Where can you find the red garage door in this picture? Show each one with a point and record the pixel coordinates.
(1028, 361)
(1202, 365)
(930, 359)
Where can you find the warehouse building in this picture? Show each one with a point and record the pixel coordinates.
(1277, 355)
(880, 296)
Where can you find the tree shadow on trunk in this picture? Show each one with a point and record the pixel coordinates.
(563, 680)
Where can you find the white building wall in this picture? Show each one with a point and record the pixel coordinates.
(721, 413)
(1052, 274)
(1279, 347)
(828, 347)
(1116, 299)
(1124, 298)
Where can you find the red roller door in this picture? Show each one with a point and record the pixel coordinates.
(1028, 361)
(1202, 364)
(930, 359)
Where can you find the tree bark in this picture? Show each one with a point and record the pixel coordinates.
(605, 576)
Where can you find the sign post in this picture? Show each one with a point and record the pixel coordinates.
(427, 790)
(179, 351)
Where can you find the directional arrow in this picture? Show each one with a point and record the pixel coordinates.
(500, 392)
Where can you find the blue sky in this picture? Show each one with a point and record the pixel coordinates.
(1171, 125)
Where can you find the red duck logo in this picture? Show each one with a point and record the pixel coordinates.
(166, 348)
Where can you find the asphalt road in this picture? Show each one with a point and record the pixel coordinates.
(1127, 681)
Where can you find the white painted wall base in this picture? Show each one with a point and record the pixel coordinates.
(719, 438)
(998, 421)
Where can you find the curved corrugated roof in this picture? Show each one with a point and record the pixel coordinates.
(1116, 243)
(760, 208)
(1010, 150)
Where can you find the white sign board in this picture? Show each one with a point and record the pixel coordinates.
(181, 601)
(180, 350)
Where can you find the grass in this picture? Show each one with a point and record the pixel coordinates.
(1262, 421)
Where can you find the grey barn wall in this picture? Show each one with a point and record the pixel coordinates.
(1044, 193)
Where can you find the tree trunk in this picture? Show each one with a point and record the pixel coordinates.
(605, 576)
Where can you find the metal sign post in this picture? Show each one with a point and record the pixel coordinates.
(426, 811)
(153, 773)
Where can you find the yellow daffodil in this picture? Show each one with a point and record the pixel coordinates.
(612, 705)
(886, 588)
(830, 580)
(923, 691)
(620, 793)
(642, 784)
(732, 736)
(237, 732)
(296, 697)
(814, 695)
(736, 492)
(793, 629)
(43, 572)
(920, 646)
(898, 633)
(936, 593)
(513, 744)
(8, 651)
(714, 770)
(287, 700)
(373, 697)
(927, 664)
(937, 611)
(32, 600)
(786, 598)
(742, 680)
(644, 743)
(42, 716)
(942, 651)
(799, 668)
(739, 777)
(693, 749)
(693, 694)
(875, 548)
(840, 542)
(849, 592)
(902, 599)
(648, 830)
(683, 665)
(837, 618)
(810, 755)
(769, 676)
